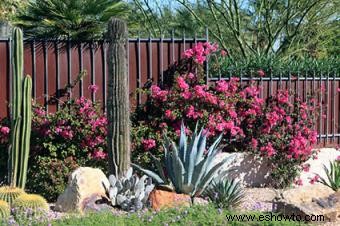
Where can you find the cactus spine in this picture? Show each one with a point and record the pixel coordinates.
(21, 109)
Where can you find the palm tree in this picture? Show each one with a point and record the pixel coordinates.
(74, 19)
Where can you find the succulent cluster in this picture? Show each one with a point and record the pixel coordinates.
(225, 193)
(333, 175)
(4, 210)
(9, 194)
(130, 192)
(188, 168)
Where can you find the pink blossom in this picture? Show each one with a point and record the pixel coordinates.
(298, 182)
(338, 158)
(191, 76)
(99, 154)
(254, 143)
(169, 115)
(186, 95)
(148, 144)
(314, 179)
(338, 89)
(93, 88)
(5, 130)
(306, 167)
(221, 86)
(181, 83)
(261, 73)
(188, 53)
(268, 150)
(224, 53)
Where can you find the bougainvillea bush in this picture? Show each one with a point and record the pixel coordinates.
(272, 128)
(73, 136)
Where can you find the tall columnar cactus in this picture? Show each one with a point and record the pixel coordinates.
(21, 109)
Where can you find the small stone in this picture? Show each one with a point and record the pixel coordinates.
(160, 199)
(200, 201)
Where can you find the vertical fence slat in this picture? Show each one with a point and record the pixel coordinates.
(327, 107)
(161, 59)
(45, 76)
(150, 58)
(333, 108)
(34, 80)
(207, 60)
(69, 66)
(104, 62)
(56, 49)
(81, 67)
(93, 71)
(139, 78)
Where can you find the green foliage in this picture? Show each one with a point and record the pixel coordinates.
(225, 193)
(4, 210)
(9, 8)
(274, 66)
(78, 19)
(188, 168)
(21, 109)
(196, 215)
(34, 203)
(129, 192)
(333, 176)
(10, 194)
(49, 176)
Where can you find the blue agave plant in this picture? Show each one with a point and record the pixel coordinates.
(188, 168)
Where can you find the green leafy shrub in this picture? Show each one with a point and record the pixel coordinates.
(225, 193)
(333, 175)
(49, 176)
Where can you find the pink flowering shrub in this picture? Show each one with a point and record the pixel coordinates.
(4, 138)
(274, 128)
(77, 132)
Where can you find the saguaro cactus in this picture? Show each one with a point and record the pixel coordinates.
(118, 99)
(21, 110)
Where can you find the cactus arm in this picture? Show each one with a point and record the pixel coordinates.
(26, 130)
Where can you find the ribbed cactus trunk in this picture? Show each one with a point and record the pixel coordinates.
(21, 110)
(18, 70)
(118, 99)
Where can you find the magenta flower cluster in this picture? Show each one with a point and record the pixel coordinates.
(280, 128)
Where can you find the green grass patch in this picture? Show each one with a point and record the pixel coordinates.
(198, 215)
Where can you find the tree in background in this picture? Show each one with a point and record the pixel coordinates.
(8, 8)
(249, 28)
(75, 19)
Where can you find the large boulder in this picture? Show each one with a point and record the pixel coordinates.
(160, 199)
(308, 201)
(253, 171)
(84, 183)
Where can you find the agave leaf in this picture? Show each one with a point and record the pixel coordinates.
(190, 158)
(201, 147)
(178, 168)
(157, 178)
(183, 143)
(121, 199)
(209, 176)
(213, 148)
(159, 167)
(113, 192)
